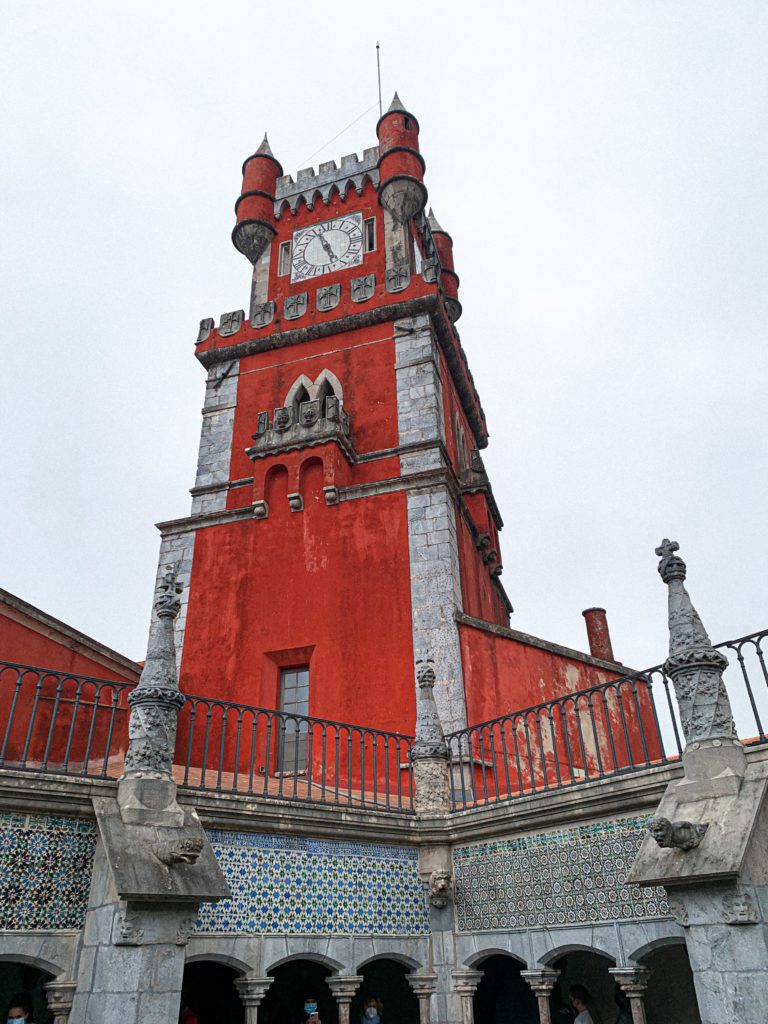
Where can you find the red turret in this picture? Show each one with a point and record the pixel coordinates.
(401, 167)
(449, 279)
(255, 208)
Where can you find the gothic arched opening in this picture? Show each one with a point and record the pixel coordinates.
(385, 980)
(502, 995)
(670, 994)
(209, 992)
(22, 981)
(294, 981)
(590, 969)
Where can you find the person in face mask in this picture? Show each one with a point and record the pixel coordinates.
(311, 1014)
(20, 1010)
(372, 1008)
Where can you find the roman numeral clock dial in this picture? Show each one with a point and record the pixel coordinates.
(322, 248)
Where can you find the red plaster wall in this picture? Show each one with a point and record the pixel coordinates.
(331, 578)
(23, 644)
(364, 362)
(51, 719)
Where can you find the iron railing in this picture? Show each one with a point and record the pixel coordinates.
(624, 725)
(59, 723)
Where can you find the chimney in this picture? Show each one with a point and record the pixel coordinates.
(598, 635)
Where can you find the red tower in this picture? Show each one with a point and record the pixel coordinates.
(342, 522)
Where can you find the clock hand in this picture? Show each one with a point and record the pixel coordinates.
(325, 244)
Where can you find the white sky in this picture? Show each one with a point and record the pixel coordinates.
(601, 167)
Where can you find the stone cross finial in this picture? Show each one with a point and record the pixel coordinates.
(156, 701)
(671, 565)
(695, 667)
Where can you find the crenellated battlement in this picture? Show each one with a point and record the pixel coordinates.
(311, 185)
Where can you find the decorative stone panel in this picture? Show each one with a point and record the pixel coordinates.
(283, 884)
(45, 871)
(570, 876)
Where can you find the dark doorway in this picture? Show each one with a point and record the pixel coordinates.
(208, 990)
(502, 995)
(385, 980)
(670, 997)
(294, 982)
(18, 980)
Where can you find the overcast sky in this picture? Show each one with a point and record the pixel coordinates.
(601, 167)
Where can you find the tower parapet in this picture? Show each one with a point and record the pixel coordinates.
(354, 171)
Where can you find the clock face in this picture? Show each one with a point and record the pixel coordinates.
(322, 248)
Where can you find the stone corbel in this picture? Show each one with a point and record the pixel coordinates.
(542, 981)
(633, 981)
(252, 991)
(343, 988)
(59, 996)
(465, 984)
(423, 986)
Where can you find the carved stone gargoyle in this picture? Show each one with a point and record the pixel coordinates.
(679, 835)
(184, 850)
(440, 886)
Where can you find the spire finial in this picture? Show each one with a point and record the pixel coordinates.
(264, 149)
(396, 104)
(433, 221)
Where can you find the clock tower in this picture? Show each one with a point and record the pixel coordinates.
(342, 523)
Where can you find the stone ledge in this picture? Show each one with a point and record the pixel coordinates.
(545, 645)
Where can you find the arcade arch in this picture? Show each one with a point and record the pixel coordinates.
(501, 994)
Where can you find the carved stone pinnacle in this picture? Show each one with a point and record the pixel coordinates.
(430, 739)
(695, 667)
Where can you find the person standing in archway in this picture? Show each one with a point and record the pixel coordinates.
(20, 1009)
(372, 1008)
(584, 1005)
(311, 1012)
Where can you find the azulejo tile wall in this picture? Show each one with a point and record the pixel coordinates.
(45, 871)
(305, 886)
(569, 876)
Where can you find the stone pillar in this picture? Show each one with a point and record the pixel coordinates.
(343, 988)
(465, 982)
(424, 986)
(706, 844)
(633, 981)
(59, 996)
(251, 991)
(542, 981)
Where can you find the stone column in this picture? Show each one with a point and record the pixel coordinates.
(706, 843)
(633, 981)
(343, 988)
(251, 991)
(542, 981)
(423, 986)
(59, 996)
(465, 982)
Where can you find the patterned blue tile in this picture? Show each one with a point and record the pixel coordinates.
(45, 871)
(293, 885)
(568, 876)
